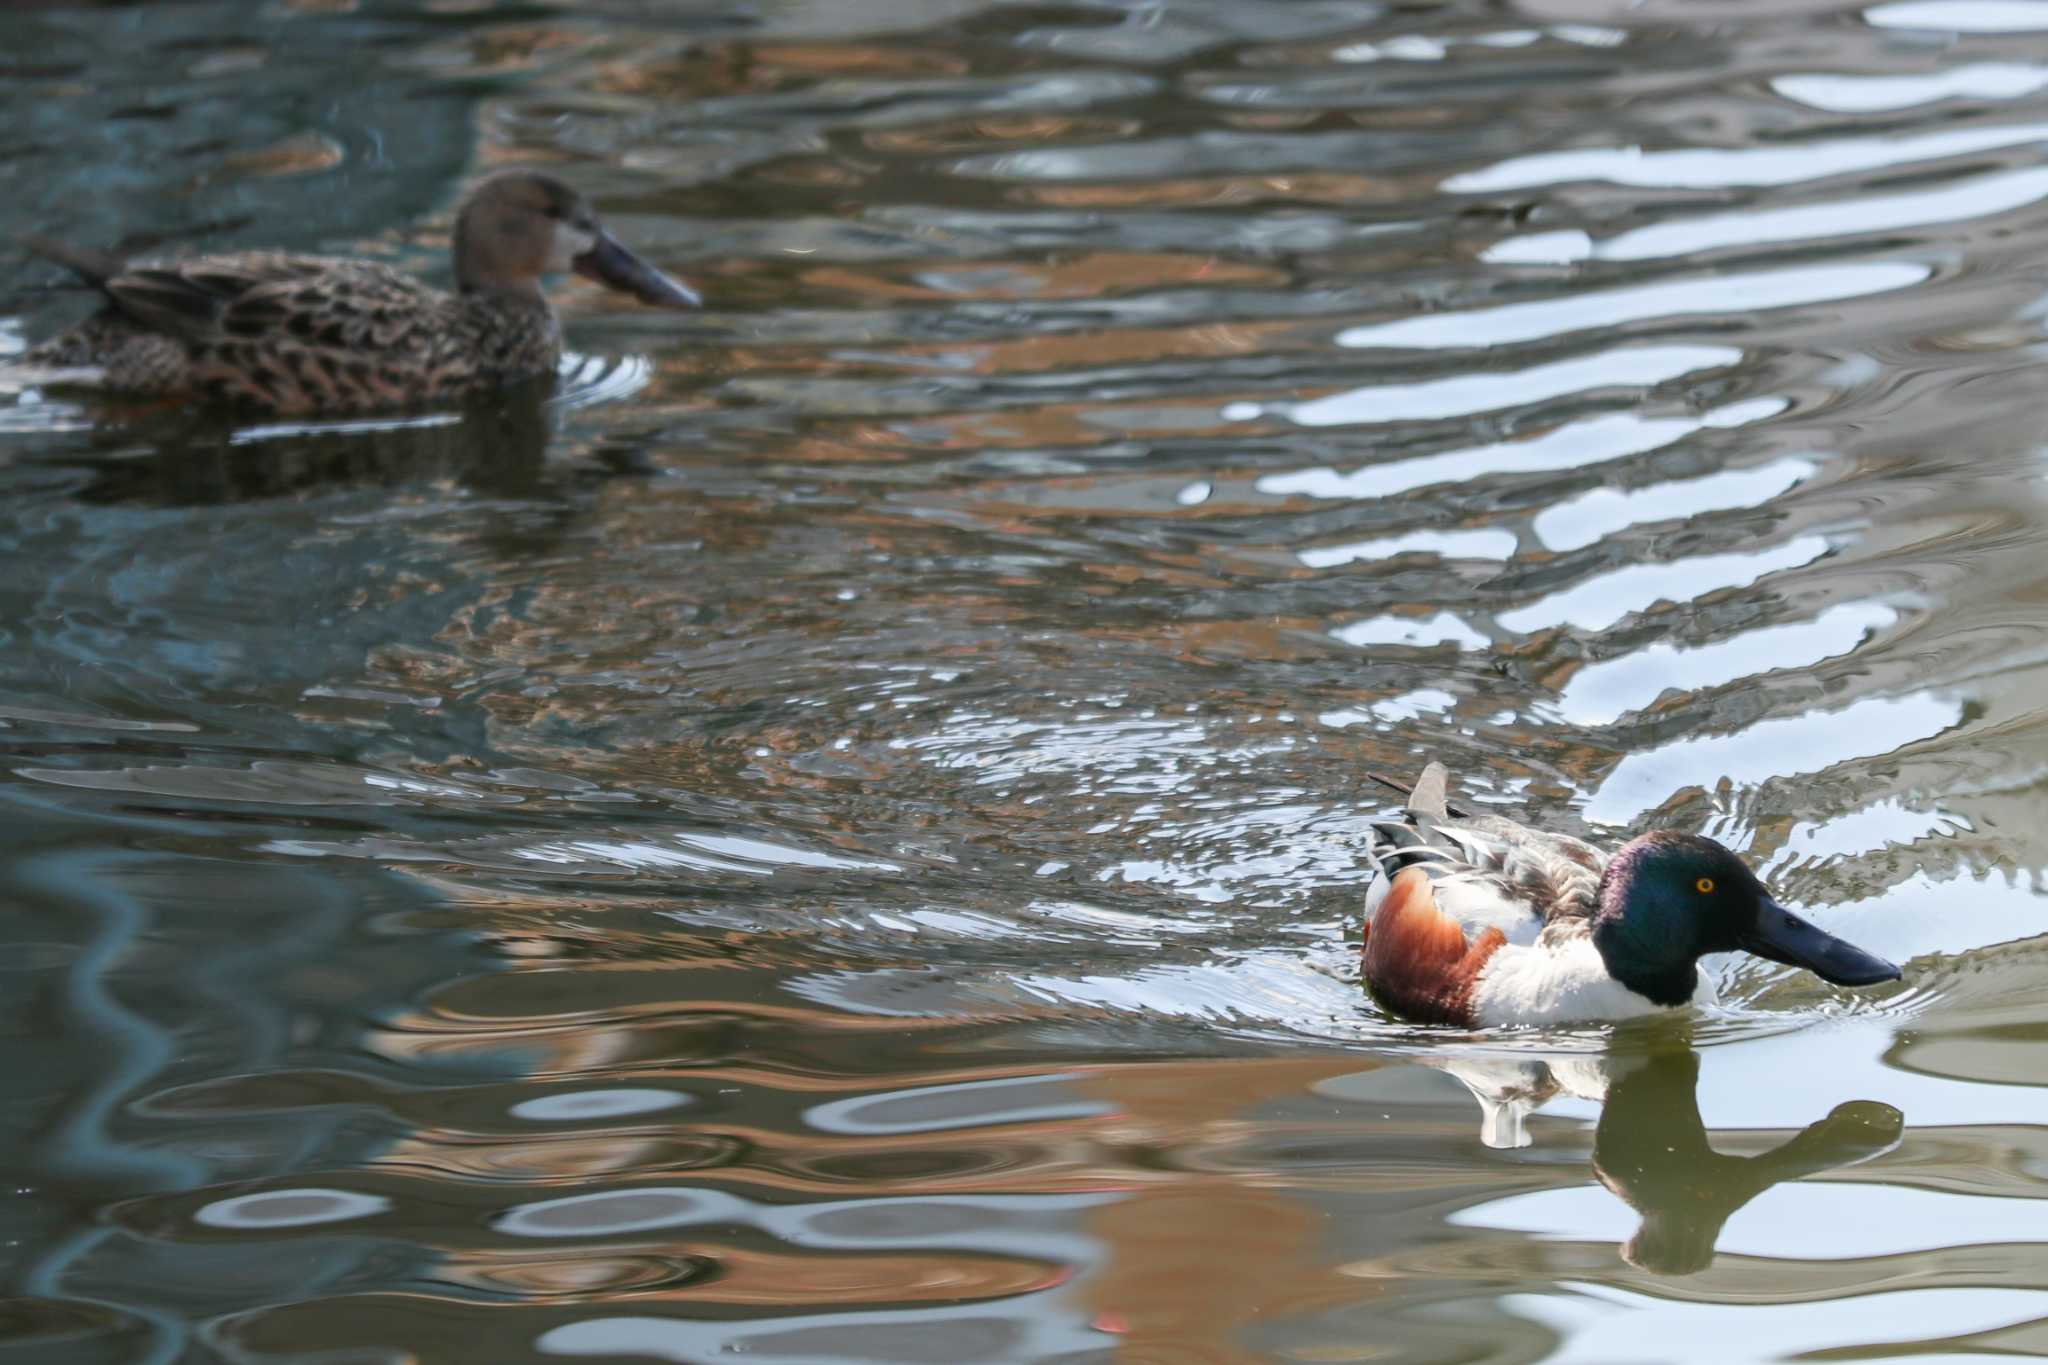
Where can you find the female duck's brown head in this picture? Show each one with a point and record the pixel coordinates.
(518, 226)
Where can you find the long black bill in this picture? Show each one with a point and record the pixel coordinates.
(611, 264)
(1783, 937)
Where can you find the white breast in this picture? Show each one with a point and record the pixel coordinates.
(1561, 979)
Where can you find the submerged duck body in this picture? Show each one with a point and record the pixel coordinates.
(305, 334)
(1479, 921)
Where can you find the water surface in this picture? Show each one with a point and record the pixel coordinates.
(835, 834)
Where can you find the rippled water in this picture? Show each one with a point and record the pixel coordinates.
(835, 835)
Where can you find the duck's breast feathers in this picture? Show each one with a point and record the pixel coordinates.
(1560, 979)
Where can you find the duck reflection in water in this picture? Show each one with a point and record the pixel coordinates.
(1651, 1145)
(495, 445)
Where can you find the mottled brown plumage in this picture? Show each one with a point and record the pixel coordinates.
(303, 334)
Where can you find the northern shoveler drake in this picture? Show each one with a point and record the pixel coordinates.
(1479, 921)
(303, 334)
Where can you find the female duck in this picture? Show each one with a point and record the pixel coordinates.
(1479, 921)
(298, 334)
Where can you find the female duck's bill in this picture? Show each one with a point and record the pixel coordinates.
(609, 262)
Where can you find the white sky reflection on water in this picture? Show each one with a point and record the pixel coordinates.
(1590, 441)
(1714, 294)
(1244, 855)
(1873, 94)
(1421, 631)
(1258, 987)
(1809, 742)
(1031, 1329)
(1042, 1098)
(1797, 1220)
(1423, 701)
(584, 1106)
(1937, 919)
(1962, 16)
(1600, 1325)
(1597, 603)
(1601, 693)
(1889, 823)
(706, 852)
(1132, 755)
(1717, 168)
(1600, 512)
(1754, 228)
(1474, 544)
(270, 1210)
(272, 431)
(1462, 395)
(1416, 47)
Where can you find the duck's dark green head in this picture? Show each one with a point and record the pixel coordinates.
(1667, 899)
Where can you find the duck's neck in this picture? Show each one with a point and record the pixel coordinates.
(513, 312)
(510, 333)
(1642, 941)
(507, 297)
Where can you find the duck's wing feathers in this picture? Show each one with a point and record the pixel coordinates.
(1488, 872)
(189, 306)
(260, 295)
(190, 299)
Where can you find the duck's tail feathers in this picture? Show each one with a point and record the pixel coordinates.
(94, 267)
(1430, 794)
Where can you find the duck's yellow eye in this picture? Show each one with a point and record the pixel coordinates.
(1705, 885)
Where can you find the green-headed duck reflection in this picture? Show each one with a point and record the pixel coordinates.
(1651, 1145)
